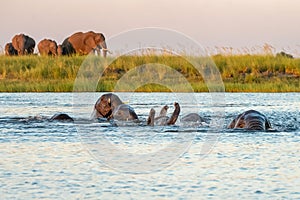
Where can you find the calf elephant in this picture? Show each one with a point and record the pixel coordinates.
(84, 43)
(252, 120)
(110, 106)
(47, 47)
(23, 44)
(10, 50)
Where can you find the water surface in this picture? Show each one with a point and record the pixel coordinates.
(96, 160)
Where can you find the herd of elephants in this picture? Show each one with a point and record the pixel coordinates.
(78, 43)
(109, 107)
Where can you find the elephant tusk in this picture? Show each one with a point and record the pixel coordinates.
(108, 51)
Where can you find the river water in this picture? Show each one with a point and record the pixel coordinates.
(91, 159)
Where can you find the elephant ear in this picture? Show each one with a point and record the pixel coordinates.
(99, 38)
(90, 42)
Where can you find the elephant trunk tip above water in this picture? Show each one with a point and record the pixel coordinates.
(162, 119)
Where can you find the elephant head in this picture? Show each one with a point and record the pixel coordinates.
(110, 106)
(23, 44)
(106, 104)
(100, 40)
(10, 50)
(47, 47)
(252, 120)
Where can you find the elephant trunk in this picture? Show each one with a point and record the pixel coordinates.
(104, 48)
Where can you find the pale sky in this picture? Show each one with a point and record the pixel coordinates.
(230, 23)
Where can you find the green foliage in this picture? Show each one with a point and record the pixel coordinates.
(240, 73)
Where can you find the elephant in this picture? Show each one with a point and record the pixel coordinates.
(110, 106)
(10, 50)
(61, 117)
(192, 117)
(47, 47)
(124, 113)
(23, 44)
(84, 43)
(251, 120)
(163, 120)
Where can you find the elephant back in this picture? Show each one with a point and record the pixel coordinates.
(66, 48)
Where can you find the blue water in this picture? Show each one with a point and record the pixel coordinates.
(96, 160)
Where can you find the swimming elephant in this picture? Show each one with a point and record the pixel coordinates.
(192, 117)
(61, 117)
(83, 43)
(47, 47)
(252, 120)
(162, 119)
(23, 44)
(110, 106)
(10, 50)
(124, 112)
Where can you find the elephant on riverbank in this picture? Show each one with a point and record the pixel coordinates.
(251, 120)
(110, 106)
(10, 50)
(84, 43)
(47, 47)
(23, 44)
(162, 119)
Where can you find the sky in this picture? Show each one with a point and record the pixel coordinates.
(212, 23)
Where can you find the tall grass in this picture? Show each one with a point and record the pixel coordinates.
(240, 73)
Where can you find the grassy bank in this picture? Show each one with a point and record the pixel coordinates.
(245, 73)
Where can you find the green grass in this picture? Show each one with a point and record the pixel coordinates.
(240, 73)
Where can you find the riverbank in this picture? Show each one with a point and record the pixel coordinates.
(240, 73)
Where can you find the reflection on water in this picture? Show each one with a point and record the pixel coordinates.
(87, 159)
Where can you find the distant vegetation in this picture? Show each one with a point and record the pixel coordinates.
(240, 73)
